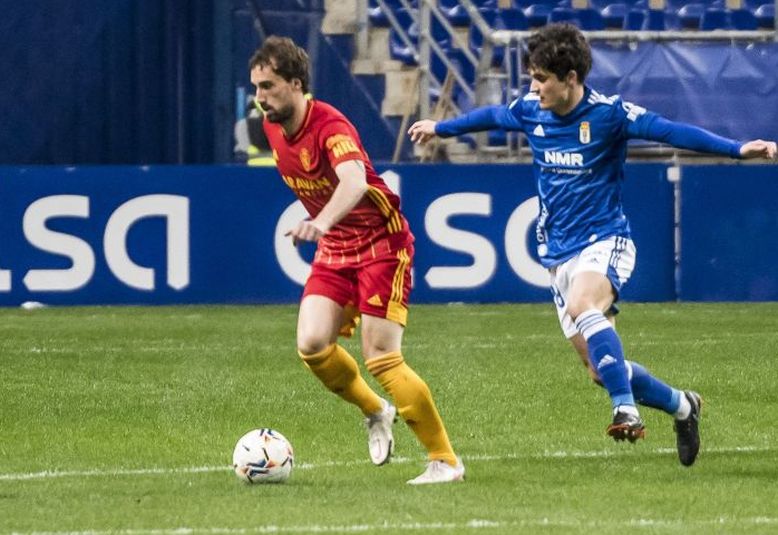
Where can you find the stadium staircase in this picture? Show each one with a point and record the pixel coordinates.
(374, 53)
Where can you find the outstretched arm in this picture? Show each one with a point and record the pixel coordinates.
(685, 136)
(485, 118)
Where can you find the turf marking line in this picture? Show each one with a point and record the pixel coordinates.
(597, 454)
(431, 526)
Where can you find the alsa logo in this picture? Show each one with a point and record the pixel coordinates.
(173, 209)
(574, 159)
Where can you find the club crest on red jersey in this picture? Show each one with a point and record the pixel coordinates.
(305, 159)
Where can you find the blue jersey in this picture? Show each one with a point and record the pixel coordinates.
(579, 162)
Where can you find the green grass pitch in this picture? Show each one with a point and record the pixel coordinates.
(123, 419)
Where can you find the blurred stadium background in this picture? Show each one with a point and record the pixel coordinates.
(130, 143)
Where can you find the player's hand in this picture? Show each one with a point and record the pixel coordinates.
(759, 149)
(305, 230)
(422, 131)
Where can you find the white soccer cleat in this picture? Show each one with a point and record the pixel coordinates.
(380, 442)
(440, 472)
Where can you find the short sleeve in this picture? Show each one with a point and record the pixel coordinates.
(339, 141)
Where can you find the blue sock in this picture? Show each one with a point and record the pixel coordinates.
(651, 392)
(606, 355)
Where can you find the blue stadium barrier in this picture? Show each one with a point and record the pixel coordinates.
(214, 234)
(474, 228)
(729, 224)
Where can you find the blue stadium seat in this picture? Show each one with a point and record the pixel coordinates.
(438, 70)
(562, 14)
(492, 18)
(752, 5)
(398, 50)
(513, 19)
(476, 37)
(654, 21)
(672, 6)
(589, 19)
(765, 16)
(537, 14)
(454, 12)
(613, 15)
(465, 68)
(689, 16)
(443, 40)
(742, 19)
(439, 33)
(714, 18)
(671, 18)
(376, 15)
(635, 19)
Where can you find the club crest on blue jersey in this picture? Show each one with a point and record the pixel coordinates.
(584, 132)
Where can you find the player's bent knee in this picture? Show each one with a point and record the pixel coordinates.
(380, 337)
(311, 345)
(576, 308)
(377, 349)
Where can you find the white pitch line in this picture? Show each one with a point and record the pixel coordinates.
(46, 474)
(433, 526)
(598, 454)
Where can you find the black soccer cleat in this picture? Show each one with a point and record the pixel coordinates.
(687, 433)
(626, 426)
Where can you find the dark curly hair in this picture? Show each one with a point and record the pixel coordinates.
(287, 60)
(559, 49)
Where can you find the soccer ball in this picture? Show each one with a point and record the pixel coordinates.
(263, 456)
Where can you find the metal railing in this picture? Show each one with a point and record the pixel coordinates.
(427, 10)
(507, 81)
(427, 47)
(512, 42)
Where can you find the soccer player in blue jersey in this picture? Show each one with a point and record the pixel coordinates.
(579, 144)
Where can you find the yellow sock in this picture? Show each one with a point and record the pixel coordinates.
(414, 402)
(340, 373)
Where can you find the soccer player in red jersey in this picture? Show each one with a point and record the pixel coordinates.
(362, 264)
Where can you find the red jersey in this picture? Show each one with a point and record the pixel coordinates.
(307, 161)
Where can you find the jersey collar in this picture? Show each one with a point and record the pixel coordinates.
(294, 137)
(578, 107)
